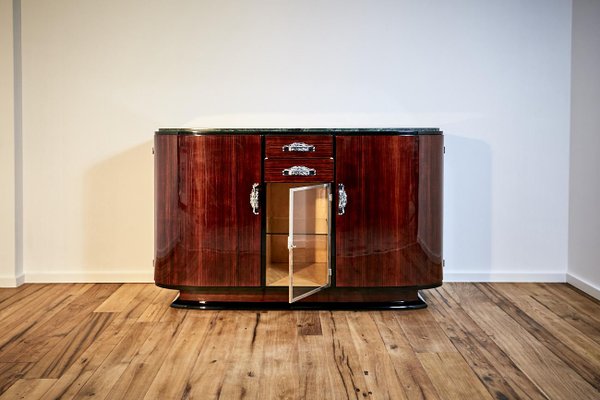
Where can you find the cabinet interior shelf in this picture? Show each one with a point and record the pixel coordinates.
(305, 274)
(296, 234)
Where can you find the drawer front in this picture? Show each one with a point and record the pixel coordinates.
(306, 170)
(301, 146)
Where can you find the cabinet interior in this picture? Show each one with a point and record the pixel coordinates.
(310, 236)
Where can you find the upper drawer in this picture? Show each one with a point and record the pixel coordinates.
(305, 146)
(289, 170)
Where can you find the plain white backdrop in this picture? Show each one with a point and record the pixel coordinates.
(98, 78)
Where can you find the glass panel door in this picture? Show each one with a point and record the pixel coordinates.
(309, 240)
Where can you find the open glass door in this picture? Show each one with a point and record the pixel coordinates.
(309, 240)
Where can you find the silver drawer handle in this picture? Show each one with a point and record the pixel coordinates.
(298, 146)
(342, 199)
(299, 171)
(254, 199)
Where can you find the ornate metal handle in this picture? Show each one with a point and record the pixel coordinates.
(299, 171)
(342, 199)
(254, 199)
(298, 146)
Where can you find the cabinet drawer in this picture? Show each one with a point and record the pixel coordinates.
(299, 146)
(306, 170)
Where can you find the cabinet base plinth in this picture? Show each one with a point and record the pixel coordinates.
(233, 305)
(340, 299)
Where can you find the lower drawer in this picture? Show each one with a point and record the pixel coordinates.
(306, 170)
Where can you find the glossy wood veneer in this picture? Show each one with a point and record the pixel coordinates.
(274, 170)
(323, 145)
(390, 234)
(206, 233)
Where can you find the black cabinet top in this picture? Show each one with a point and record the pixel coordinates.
(299, 131)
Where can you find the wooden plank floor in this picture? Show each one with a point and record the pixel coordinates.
(474, 341)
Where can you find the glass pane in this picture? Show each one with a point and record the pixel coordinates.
(309, 250)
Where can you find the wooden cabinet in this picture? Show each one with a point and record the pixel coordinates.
(342, 218)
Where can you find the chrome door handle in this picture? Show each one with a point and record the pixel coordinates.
(297, 170)
(254, 198)
(342, 199)
(298, 146)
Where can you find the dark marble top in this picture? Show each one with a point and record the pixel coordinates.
(298, 131)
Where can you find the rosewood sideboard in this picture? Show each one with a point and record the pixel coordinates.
(298, 218)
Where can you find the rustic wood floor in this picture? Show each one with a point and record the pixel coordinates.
(475, 341)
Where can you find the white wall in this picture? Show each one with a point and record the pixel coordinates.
(584, 215)
(11, 273)
(7, 148)
(100, 77)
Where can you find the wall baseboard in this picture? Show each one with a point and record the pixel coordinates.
(584, 286)
(11, 281)
(7, 281)
(504, 277)
(147, 277)
(90, 277)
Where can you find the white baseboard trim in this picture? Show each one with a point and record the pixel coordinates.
(8, 281)
(503, 277)
(90, 277)
(148, 277)
(11, 281)
(584, 285)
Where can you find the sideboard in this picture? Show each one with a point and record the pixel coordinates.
(298, 218)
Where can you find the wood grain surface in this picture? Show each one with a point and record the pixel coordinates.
(323, 146)
(391, 231)
(123, 341)
(323, 170)
(206, 233)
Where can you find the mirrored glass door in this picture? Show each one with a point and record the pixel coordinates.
(309, 240)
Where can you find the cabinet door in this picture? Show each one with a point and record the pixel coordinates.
(390, 231)
(308, 240)
(206, 230)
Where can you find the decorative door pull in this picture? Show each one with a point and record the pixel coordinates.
(342, 199)
(299, 171)
(254, 198)
(298, 146)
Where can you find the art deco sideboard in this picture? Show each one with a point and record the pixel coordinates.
(298, 218)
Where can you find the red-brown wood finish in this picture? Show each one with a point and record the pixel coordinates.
(275, 167)
(323, 146)
(206, 233)
(390, 234)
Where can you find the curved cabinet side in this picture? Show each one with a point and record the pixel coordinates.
(390, 234)
(430, 205)
(205, 232)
